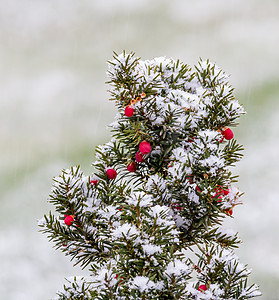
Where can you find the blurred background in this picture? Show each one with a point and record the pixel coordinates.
(54, 110)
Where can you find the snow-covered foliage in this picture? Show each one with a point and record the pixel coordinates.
(75, 288)
(161, 187)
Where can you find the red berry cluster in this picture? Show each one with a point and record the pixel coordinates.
(129, 110)
(144, 148)
(221, 192)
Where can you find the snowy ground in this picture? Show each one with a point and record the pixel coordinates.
(54, 110)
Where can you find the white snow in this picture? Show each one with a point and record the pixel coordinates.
(177, 268)
(151, 249)
(127, 231)
(144, 284)
(140, 199)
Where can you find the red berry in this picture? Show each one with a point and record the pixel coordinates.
(190, 178)
(69, 220)
(225, 192)
(116, 276)
(217, 194)
(221, 138)
(198, 189)
(178, 207)
(230, 212)
(94, 182)
(190, 139)
(220, 191)
(129, 111)
(202, 288)
(111, 173)
(139, 157)
(227, 133)
(144, 147)
(132, 167)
